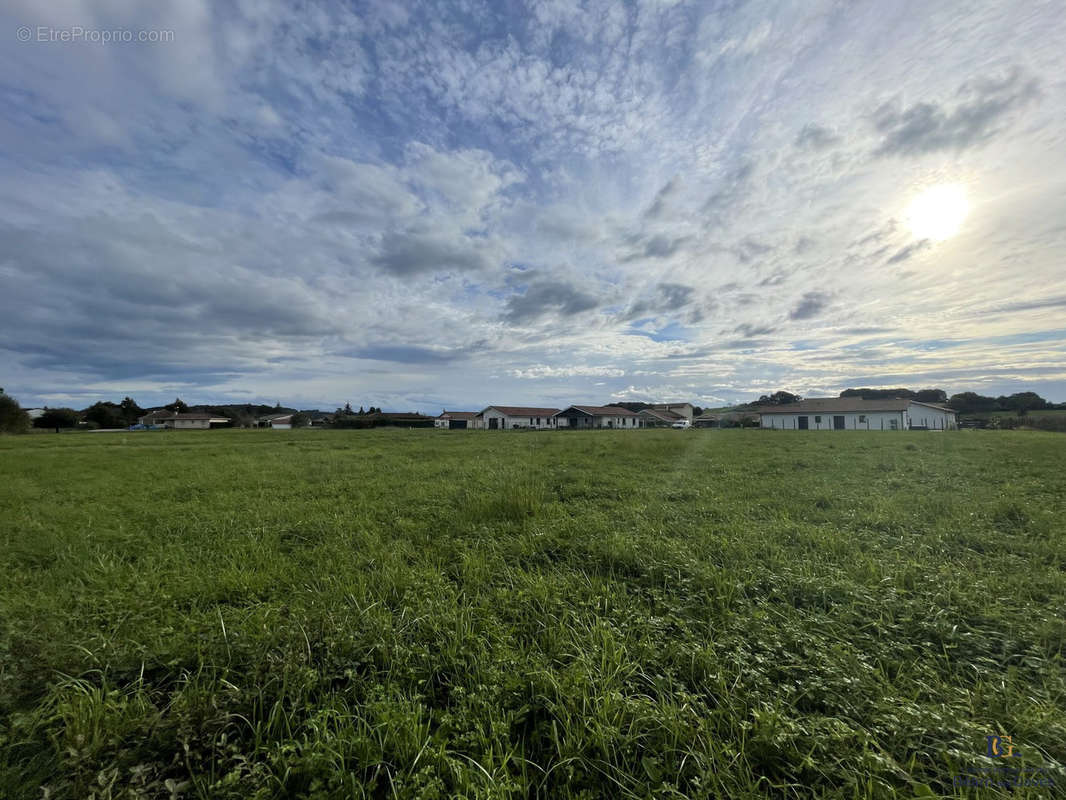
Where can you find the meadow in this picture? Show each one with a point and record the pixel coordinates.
(436, 614)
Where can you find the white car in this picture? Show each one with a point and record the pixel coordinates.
(681, 424)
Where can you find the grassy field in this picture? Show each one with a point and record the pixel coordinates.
(606, 614)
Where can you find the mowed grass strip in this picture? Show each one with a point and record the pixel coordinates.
(605, 614)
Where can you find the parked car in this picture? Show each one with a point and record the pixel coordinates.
(682, 423)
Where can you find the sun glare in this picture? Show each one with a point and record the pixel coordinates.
(938, 212)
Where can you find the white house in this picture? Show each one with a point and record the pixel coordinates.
(597, 417)
(451, 420)
(508, 417)
(855, 413)
(183, 422)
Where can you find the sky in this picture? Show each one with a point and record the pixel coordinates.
(437, 205)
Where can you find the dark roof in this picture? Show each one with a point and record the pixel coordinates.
(457, 415)
(817, 405)
(602, 411)
(522, 411)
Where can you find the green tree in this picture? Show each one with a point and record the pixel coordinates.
(300, 420)
(131, 412)
(57, 418)
(972, 403)
(931, 396)
(178, 406)
(1023, 402)
(779, 399)
(12, 418)
(106, 415)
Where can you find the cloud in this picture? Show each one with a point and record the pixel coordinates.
(413, 252)
(810, 305)
(927, 127)
(668, 298)
(546, 297)
(544, 371)
(657, 210)
(658, 246)
(814, 137)
(407, 354)
(907, 251)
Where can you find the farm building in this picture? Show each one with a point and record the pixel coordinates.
(855, 413)
(184, 422)
(509, 417)
(282, 423)
(658, 418)
(451, 420)
(597, 417)
(680, 410)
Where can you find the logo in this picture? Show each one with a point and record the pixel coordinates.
(999, 747)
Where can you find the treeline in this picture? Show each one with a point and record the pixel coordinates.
(964, 402)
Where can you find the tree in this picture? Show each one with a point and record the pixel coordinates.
(1023, 402)
(348, 408)
(972, 403)
(178, 407)
(106, 415)
(878, 394)
(300, 420)
(131, 412)
(57, 418)
(931, 396)
(779, 399)
(361, 411)
(12, 417)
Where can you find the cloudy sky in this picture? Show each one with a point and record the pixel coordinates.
(427, 205)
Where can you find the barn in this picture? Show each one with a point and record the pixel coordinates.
(856, 413)
(452, 420)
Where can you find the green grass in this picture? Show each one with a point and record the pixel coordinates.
(606, 614)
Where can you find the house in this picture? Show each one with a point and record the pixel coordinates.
(282, 423)
(154, 418)
(184, 422)
(597, 417)
(508, 417)
(451, 420)
(855, 413)
(658, 418)
(682, 410)
(268, 420)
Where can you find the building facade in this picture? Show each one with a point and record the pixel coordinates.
(587, 417)
(505, 418)
(855, 413)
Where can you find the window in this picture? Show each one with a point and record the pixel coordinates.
(817, 420)
(862, 418)
(538, 421)
(893, 424)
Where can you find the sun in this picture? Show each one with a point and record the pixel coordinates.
(938, 212)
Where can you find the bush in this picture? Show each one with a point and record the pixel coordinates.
(12, 418)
